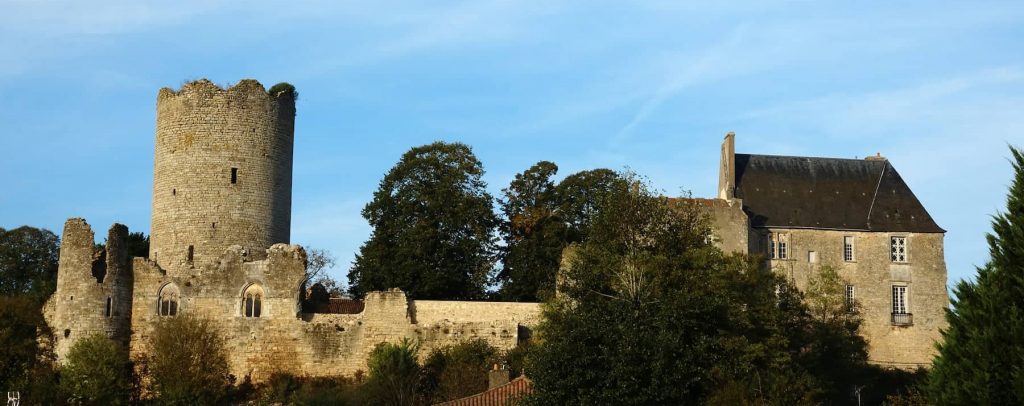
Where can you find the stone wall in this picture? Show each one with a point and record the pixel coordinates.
(94, 288)
(222, 172)
(873, 273)
(283, 339)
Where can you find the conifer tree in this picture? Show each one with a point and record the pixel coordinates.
(981, 360)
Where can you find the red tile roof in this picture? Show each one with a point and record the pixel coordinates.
(499, 396)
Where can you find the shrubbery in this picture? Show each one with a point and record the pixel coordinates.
(187, 361)
(97, 372)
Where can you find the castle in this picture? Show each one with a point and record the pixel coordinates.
(220, 231)
(219, 247)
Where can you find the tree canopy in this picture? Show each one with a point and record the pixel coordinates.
(433, 227)
(28, 262)
(981, 357)
(651, 312)
(534, 235)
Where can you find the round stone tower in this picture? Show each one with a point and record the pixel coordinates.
(222, 172)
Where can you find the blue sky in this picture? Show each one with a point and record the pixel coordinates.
(936, 87)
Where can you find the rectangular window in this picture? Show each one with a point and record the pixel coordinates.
(899, 299)
(778, 245)
(783, 246)
(812, 257)
(898, 249)
(110, 305)
(191, 253)
(848, 249)
(851, 298)
(234, 176)
(901, 315)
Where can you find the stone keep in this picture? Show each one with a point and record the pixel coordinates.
(222, 172)
(221, 218)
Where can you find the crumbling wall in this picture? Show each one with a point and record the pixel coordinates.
(284, 340)
(94, 288)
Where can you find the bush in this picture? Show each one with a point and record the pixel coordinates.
(283, 388)
(394, 374)
(97, 371)
(188, 363)
(457, 371)
(283, 88)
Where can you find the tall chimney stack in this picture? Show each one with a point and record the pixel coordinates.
(727, 170)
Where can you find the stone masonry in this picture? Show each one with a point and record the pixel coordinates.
(815, 206)
(220, 231)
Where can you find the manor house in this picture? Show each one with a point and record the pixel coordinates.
(221, 221)
(855, 215)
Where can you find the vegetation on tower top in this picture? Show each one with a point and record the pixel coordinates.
(283, 88)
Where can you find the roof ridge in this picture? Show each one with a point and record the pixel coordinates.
(808, 157)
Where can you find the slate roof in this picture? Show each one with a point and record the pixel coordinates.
(828, 193)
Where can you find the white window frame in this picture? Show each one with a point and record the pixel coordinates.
(778, 245)
(900, 302)
(849, 247)
(899, 249)
(851, 297)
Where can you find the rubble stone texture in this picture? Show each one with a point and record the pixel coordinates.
(213, 240)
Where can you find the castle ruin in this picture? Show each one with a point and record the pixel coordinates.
(220, 248)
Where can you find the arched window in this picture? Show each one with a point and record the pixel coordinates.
(252, 301)
(168, 305)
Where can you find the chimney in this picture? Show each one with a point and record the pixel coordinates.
(497, 376)
(877, 157)
(727, 170)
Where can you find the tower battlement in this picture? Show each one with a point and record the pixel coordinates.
(204, 89)
(222, 172)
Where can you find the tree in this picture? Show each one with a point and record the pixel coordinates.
(187, 361)
(534, 235)
(321, 285)
(137, 244)
(97, 372)
(28, 262)
(460, 370)
(981, 357)
(580, 198)
(394, 374)
(21, 354)
(432, 225)
(637, 315)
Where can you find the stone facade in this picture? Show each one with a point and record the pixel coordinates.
(221, 220)
(816, 217)
(222, 172)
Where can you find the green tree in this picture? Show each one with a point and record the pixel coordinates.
(28, 262)
(137, 244)
(534, 235)
(97, 372)
(187, 361)
(580, 198)
(832, 349)
(22, 357)
(433, 227)
(394, 374)
(459, 370)
(981, 357)
(637, 315)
